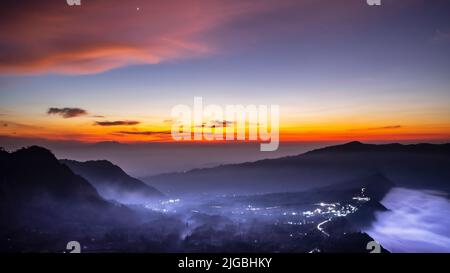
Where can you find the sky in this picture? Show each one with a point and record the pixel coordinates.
(112, 70)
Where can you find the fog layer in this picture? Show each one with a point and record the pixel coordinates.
(417, 221)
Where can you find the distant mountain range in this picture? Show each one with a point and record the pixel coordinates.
(420, 166)
(35, 169)
(112, 182)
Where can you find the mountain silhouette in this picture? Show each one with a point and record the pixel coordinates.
(38, 193)
(34, 172)
(44, 204)
(418, 166)
(359, 147)
(112, 182)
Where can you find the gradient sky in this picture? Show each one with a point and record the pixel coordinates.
(340, 70)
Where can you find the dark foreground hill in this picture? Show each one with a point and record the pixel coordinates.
(420, 166)
(112, 182)
(43, 204)
(35, 174)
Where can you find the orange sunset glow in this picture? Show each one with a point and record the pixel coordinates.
(159, 55)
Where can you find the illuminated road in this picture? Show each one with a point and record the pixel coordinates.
(319, 227)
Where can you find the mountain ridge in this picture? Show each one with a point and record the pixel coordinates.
(19, 171)
(111, 181)
(436, 147)
(413, 165)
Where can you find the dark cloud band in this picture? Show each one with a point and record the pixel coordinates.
(117, 123)
(67, 112)
(145, 133)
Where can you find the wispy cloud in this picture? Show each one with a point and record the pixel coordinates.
(389, 127)
(67, 112)
(224, 123)
(117, 123)
(217, 124)
(67, 41)
(16, 125)
(145, 133)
